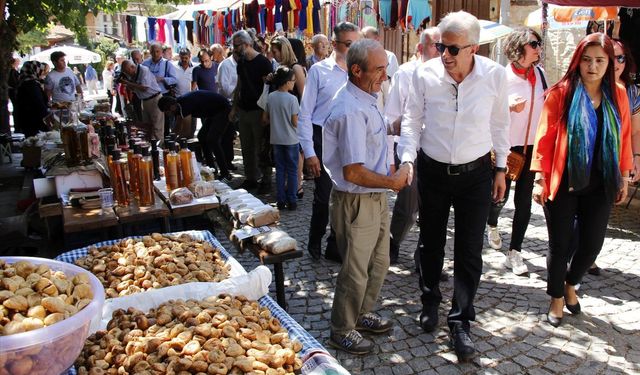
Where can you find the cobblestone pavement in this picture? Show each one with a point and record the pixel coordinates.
(510, 331)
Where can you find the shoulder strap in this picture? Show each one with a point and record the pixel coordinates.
(166, 67)
(526, 137)
(544, 81)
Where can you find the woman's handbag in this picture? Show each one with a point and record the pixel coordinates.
(516, 160)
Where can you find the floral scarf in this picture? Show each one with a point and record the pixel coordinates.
(582, 127)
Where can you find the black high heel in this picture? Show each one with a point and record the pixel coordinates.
(554, 320)
(574, 309)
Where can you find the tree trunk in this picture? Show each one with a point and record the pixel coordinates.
(7, 44)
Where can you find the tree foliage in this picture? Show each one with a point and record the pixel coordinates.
(34, 38)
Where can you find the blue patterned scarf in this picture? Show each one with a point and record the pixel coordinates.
(582, 127)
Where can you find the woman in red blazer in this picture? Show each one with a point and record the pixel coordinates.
(582, 156)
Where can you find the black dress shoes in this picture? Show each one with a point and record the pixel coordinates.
(574, 309)
(554, 320)
(429, 317)
(462, 344)
(314, 251)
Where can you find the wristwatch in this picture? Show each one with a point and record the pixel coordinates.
(501, 169)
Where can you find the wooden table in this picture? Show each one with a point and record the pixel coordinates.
(265, 258)
(133, 213)
(77, 219)
(198, 207)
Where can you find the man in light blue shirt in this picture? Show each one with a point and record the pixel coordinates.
(355, 157)
(324, 80)
(91, 76)
(166, 76)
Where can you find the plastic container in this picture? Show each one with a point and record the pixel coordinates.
(52, 349)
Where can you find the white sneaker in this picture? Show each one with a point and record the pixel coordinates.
(514, 261)
(493, 236)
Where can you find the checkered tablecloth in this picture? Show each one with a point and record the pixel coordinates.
(309, 344)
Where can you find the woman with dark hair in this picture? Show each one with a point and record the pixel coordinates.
(31, 100)
(526, 85)
(625, 69)
(582, 156)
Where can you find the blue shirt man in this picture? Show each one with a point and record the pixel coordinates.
(161, 68)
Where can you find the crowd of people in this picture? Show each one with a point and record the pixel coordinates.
(440, 130)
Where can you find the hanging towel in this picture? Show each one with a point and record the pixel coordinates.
(161, 35)
(182, 33)
(270, 24)
(419, 10)
(140, 33)
(190, 31)
(168, 32)
(151, 21)
(303, 15)
(127, 29)
(315, 15)
(175, 25)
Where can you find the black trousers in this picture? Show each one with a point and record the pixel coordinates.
(211, 137)
(521, 200)
(321, 195)
(591, 213)
(470, 195)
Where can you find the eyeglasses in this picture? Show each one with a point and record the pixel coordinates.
(453, 50)
(621, 59)
(535, 44)
(346, 44)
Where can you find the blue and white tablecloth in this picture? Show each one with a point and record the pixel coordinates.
(309, 344)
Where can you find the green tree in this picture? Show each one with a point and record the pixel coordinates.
(107, 49)
(26, 41)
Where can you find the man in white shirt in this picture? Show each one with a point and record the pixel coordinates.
(142, 82)
(185, 127)
(405, 209)
(457, 112)
(323, 81)
(355, 157)
(371, 32)
(320, 45)
(61, 85)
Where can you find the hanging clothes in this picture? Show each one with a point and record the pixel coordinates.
(286, 9)
(368, 15)
(309, 10)
(316, 10)
(419, 11)
(161, 32)
(393, 18)
(141, 29)
(190, 31)
(296, 15)
(151, 21)
(175, 30)
(385, 10)
(133, 22)
(269, 23)
(302, 25)
(402, 13)
(127, 29)
(182, 33)
(278, 13)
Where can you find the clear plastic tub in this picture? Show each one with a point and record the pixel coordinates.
(52, 349)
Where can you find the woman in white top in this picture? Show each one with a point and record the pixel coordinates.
(526, 87)
(107, 80)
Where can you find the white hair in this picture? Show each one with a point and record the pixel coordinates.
(431, 33)
(243, 36)
(461, 23)
(318, 38)
(359, 53)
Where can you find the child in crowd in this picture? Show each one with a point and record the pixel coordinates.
(282, 112)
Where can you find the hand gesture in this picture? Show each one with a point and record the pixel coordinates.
(540, 192)
(313, 165)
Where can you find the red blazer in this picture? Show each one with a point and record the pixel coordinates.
(550, 148)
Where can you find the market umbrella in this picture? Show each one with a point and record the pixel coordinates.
(561, 17)
(75, 55)
(491, 31)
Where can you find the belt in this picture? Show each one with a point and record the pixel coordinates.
(457, 169)
(151, 97)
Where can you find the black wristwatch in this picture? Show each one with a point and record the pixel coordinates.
(501, 169)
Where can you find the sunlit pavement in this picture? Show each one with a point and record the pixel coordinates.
(510, 331)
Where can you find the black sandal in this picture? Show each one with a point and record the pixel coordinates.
(300, 192)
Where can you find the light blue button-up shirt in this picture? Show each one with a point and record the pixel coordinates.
(323, 82)
(354, 133)
(163, 68)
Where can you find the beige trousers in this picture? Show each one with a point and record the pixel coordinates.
(154, 116)
(361, 223)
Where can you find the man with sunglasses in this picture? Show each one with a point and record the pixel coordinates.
(457, 112)
(323, 82)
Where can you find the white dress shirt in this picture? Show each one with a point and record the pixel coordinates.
(323, 82)
(462, 122)
(227, 78)
(392, 66)
(399, 90)
(516, 86)
(354, 133)
(185, 76)
(146, 78)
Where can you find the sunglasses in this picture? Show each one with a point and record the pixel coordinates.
(621, 59)
(453, 50)
(535, 44)
(346, 44)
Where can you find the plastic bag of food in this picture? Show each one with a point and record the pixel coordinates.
(180, 196)
(202, 189)
(275, 241)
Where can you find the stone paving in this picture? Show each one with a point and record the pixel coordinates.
(510, 331)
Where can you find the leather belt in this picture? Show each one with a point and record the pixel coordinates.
(457, 169)
(151, 97)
